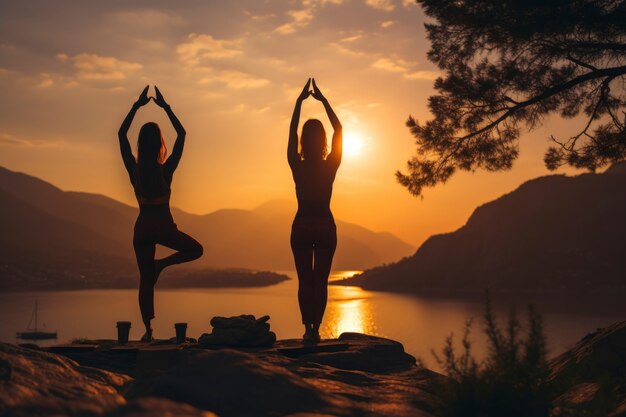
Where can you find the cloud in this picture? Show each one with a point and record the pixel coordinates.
(308, 3)
(277, 63)
(385, 5)
(261, 110)
(259, 16)
(301, 16)
(409, 3)
(346, 51)
(387, 64)
(422, 75)
(348, 113)
(291, 92)
(202, 46)
(387, 24)
(146, 19)
(235, 79)
(403, 67)
(352, 38)
(46, 81)
(117, 89)
(150, 44)
(213, 95)
(244, 108)
(11, 140)
(99, 68)
(299, 19)
(8, 139)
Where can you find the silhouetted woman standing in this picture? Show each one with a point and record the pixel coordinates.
(313, 233)
(151, 176)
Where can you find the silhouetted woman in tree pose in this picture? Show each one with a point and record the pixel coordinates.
(151, 176)
(313, 233)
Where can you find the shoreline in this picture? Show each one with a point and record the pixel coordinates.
(185, 279)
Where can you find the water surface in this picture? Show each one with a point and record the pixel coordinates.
(421, 324)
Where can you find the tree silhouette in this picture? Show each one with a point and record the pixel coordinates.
(510, 63)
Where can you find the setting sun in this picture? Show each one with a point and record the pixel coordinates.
(352, 144)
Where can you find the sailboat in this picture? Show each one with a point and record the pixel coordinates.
(33, 333)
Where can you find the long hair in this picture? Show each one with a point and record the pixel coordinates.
(313, 140)
(151, 153)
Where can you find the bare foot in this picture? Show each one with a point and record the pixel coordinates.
(315, 334)
(307, 336)
(147, 337)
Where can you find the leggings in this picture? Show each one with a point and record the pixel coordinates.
(151, 230)
(313, 242)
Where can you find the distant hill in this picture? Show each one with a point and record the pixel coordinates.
(259, 238)
(552, 233)
(45, 228)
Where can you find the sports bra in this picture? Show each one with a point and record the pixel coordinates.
(314, 188)
(160, 200)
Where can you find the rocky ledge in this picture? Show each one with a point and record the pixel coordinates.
(354, 375)
(593, 373)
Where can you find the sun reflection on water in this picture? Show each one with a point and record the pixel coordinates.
(349, 310)
(339, 275)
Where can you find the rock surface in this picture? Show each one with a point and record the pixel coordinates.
(368, 376)
(235, 383)
(353, 381)
(593, 373)
(40, 383)
(356, 375)
(158, 407)
(364, 353)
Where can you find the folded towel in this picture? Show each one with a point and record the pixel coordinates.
(239, 331)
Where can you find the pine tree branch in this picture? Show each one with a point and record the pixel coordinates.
(601, 73)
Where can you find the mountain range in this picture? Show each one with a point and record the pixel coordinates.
(47, 229)
(553, 233)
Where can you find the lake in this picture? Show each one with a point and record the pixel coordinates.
(421, 324)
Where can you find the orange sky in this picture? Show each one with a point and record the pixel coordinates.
(231, 71)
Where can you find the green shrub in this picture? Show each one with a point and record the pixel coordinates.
(514, 380)
(511, 382)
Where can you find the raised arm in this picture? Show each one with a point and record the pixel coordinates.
(292, 147)
(122, 134)
(337, 144)
(177, 151)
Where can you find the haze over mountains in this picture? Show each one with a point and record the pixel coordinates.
(552, 233)
(47, 228)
